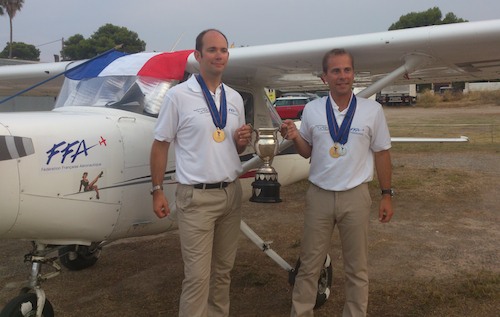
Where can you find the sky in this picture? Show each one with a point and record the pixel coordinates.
(167, 25)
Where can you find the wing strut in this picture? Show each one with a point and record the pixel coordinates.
(411, 63)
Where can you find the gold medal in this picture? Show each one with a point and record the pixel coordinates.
(219, 135)
(333, 151)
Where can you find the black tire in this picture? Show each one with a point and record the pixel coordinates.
(25, 305)
(324, 281)
(78, 257)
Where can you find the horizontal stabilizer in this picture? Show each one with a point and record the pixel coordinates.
(408, 139)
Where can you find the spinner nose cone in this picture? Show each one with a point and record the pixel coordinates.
(11, 148)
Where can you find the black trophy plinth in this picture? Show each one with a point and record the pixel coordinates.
(266, 189)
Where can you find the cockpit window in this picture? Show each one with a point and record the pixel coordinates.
(138, 94)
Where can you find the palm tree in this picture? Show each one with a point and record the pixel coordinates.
(11, 6)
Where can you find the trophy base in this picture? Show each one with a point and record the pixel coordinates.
(266, 191)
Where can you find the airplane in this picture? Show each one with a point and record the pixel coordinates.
(99, 135)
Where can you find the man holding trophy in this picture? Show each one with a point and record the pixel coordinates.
(205, 121)
(345, 137)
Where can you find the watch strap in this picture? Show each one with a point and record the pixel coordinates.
(155, 188)
(389, 191)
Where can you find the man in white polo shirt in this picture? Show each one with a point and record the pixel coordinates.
(346, 137)
(205, 121)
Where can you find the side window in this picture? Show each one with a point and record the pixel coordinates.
(249, 106)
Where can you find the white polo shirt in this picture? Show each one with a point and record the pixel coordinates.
(368, 134)
(185, 121)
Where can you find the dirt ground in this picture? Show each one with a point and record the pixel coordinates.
(438, 257)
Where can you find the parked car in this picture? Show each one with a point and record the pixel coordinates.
(291, 107)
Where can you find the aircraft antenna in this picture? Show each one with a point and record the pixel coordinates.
(177, 42)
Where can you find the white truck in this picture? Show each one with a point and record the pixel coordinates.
(398, 95)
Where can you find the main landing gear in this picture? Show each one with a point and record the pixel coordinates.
(325, 279)
(31, 301)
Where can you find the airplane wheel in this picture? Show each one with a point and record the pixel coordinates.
(324, 281)
(25, 306)
(78, 257)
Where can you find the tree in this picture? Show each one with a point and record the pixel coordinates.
(425, 18)
(77, 47)
(452, 18)
(11, 6)
(105, 38)
(21, 50)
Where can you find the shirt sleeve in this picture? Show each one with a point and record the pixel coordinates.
(304, 130)
(167, 122)
(381, 139)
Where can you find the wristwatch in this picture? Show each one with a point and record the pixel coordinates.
(389, 191)
(155, 188)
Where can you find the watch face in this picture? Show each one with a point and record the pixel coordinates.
(155, 188)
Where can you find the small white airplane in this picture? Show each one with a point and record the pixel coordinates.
(77, 177)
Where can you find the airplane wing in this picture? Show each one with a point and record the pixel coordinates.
(467, 51)
(15, 78)
(454, 52)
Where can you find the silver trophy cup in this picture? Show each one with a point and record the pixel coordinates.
(266, 188)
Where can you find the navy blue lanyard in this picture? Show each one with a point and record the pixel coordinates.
(218, 117)
(340, 135)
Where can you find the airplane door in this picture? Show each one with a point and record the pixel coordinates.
(137, 207)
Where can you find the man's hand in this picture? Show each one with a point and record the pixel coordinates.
(289, 130)
(160, 204)
(242, 137)
(385, 211)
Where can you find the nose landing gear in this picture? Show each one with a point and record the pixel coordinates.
(32, 301)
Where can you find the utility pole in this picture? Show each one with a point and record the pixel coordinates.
(62, 49)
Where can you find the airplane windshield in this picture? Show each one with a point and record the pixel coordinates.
(132, 93)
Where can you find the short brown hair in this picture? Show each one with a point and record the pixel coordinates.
(335, 52)
(199, 38)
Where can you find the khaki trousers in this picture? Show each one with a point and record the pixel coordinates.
(350, 211)
(209, 227)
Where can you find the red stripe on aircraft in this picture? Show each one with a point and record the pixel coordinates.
(166, 65)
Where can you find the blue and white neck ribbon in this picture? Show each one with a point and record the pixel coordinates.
(340, 135)
(218, 117)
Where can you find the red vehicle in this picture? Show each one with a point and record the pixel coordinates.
(291, 107)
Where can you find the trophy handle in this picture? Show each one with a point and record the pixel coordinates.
(253, 138)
